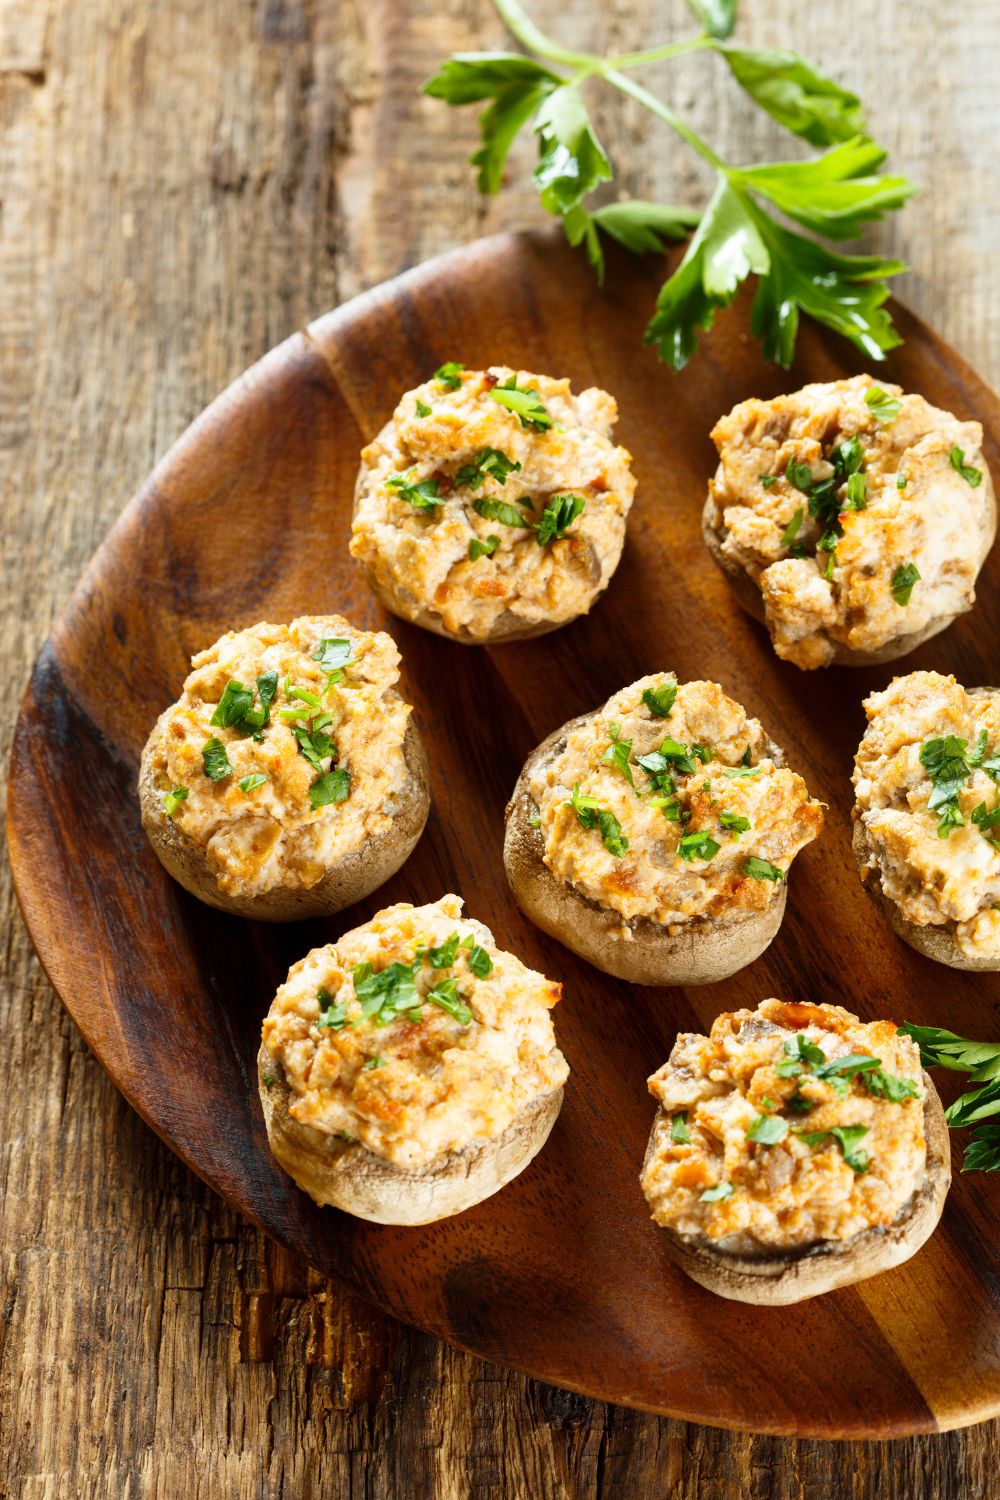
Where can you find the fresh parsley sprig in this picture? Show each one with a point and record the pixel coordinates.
(737, 235)
(981, 1060)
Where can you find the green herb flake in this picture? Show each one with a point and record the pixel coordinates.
(445, 954)
(903, 579)
(500, 510)
(972, 476)
(592, 815)
(767, 1130)
(526, 405)
(172, 800)
(679, 1132)
(332, 1016)
(373, 1062)
(761, 869)
(332, 786)
(767, 481)
(901, 481)
(449, 375)
(422, 410)
(489, 463)
(721, 1189)
(387, 994)
(618, 752)
(697, 845)
(446, 997)
(660, 700)
(215, 760)
(791, 531)
(736, 823)
(235, 702)
(478, 549)
(857, 492)
(424, 496)
(557, 517)
(251, 783)
(882, 406)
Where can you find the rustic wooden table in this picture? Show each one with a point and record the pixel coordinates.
(182, 185)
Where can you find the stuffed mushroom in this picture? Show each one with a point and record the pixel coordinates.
(927, 816)
(410, 1069)
(492, 506)
(851, 518)
(288, 780)
(654, 836)
(795, 1149)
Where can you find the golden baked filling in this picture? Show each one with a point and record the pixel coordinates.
(861, 513)
(666, 804)
(925, 780)
(284, 751)
(788, 1125)
(414, 1034)
(494, 491)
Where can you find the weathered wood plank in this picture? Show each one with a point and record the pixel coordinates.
(180, 186)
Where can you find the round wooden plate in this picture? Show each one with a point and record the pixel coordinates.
(247, 518)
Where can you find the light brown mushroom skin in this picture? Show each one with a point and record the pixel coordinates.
(936, 941)
(749, 596)
(346, 1175)
(773, 1279)
(406, 606)
(701, 953)
(356, 875)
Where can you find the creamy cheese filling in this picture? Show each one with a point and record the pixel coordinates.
(859, 520)
(667, 804)
(925, 782)
(278, 803)
(785, 1127)
(414, 1034)
(471, 508)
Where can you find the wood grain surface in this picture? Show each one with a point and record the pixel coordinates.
(181, 187)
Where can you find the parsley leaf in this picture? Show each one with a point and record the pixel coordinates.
(527, 404)
(796, 95)
(251, 783)
(334, 653)
(387, 994)
(679, 1132)
(449, 375)
(791, 531)
(557, 517)
(234, 703)
(424, 496)
(422, 410)
(571, 160)
(883, 406)
(697, 845)
(847, 1138)
(479, 960)
(761, 869)
(445, 954)
(500, 510)
(972, 476)
(332, 786)
(215, 760)
(735, 822)
(721, 1189)
(478, 549)
(717, 17)
(488, 462)
(592, 815)
(660, 700)
(767, 1130)
(903, 579)
(332, 1016)
(618, 752)
(834, 194)
(172, 800)
(944, 760)
(446, 997)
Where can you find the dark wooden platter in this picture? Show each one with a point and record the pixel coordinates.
(247, 518)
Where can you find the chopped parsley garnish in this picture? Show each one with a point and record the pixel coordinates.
(847, 1138)
(424, 496)
(721, 1189)
(883, 407)
(315, 744)
(741, 772)
(373, 1062)
(234, 703)
(901, 481)
(557, 517)
(423, 410)
(660, 700)
(172, 800)
(331, 1016)
(905, 576)
(791, 531)
(767, 480)
(502, 511)
(215, 760)
(334, 653)
(761, 869)
(948, 764)
(446, 997)
(251, 783)
(332, 786)
(618, 752)
(799, 476)
(445, 954)
(387, 994)
(449, 375)
(679, 1132)
(479, 960)
(986, 820)
(735, 822)
(671, 755)
(981, 1060)
(697, 845)
(802, 1055)
(269, 1080)
(592, 815)
(478, 549)
(857, 492)
(767, 1130)
(972, 476)
(488, 463)
(527, 404)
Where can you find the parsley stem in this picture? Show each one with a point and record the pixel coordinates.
(660, 54)
(667, 115)
(520, 25)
